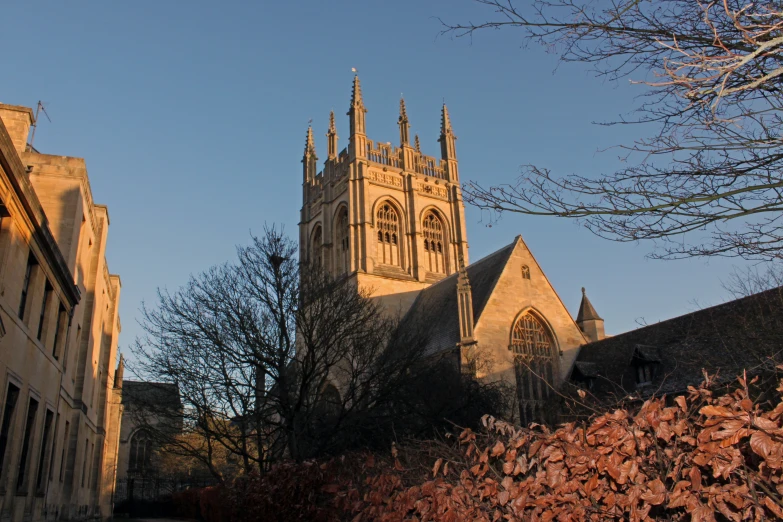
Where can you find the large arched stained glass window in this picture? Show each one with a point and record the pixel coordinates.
(534, 366)
(316, 253)
(434, 258)
(343, 244)
(140, 452)
(388, 226)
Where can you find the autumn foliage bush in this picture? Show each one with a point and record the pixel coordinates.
(698, 457)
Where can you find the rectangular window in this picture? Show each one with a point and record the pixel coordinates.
(39, 481)
(31, 262)
(84, 461)
(54, 448)
(90, 466)
(66, 434)
(8, 416)
(44, 305)
(24, 458)
(59, 330)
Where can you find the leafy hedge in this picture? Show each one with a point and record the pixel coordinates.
(701, 457)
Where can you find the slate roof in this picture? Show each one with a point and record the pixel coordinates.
(435, 311)
(727, 338)
(151, 395)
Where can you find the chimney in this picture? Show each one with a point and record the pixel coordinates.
(17, 120)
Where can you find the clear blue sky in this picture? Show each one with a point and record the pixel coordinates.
(192, 117)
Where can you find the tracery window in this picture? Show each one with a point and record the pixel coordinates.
(316, 253)
(140, 459)
(534, 366)
(433, 243)
(343, 243)
(525, 272)
(388, 226)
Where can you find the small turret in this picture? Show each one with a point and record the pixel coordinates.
(589, 321)
(331, 138)
(448, 149)
(118, 375)
(405, 127)
(309, 158)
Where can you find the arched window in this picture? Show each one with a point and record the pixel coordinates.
(316, 253)
(534, 366)
(525, 272)
(388, 226)
(434, 258)
(343, 243)
(140, 452)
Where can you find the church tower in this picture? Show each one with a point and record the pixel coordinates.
(388, 216)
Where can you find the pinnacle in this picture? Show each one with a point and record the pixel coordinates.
(586, 310)
(332, 127)
(356, 93)
(309, 142)
(403, 112)
(416, 143)
(445, 121)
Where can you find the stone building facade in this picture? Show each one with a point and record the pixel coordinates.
(59, 408)
(392, 220)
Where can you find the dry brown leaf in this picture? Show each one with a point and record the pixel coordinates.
(656, 493)
(436, 467)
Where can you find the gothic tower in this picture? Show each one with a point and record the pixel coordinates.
(390, 217)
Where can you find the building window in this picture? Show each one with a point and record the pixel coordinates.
(84, 460)
(388, 225)
(44, 306)
(31, 262)
(59, 331)
(534, 366)
(24, 458)
(66, 434)
(342, 233)
(433, 243)
(11, 397)
(40, 479)
(140, 459)
(525, 272)
(317, 248)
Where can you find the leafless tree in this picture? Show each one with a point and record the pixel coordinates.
(708, 182)
(274, 361)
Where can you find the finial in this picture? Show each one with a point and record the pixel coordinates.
(461, 261)
(332, 128)
(583, 291)
(310, 142)
(417, 144)
(403, 112)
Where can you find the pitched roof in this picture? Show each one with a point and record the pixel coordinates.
(586, 310)
(435, 310)
(728, 338)
(151, 394)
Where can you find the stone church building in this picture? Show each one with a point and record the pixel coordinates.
(393, 220)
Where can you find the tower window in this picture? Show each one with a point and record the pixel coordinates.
(534, 366)
(317, 248)
(432, 227)
(343, 243)
(388, 223)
